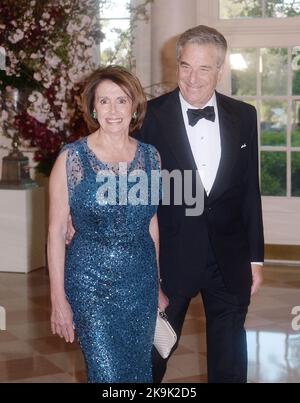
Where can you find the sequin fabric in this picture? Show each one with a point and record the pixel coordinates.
(111, 270)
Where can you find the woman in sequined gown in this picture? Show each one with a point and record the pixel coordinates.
(106, 287)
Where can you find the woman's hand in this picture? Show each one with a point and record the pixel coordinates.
(62, 319)
(163, 300)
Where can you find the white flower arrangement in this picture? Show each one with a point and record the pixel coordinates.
(50, 47)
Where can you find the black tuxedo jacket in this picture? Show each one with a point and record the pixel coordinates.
(232, 219)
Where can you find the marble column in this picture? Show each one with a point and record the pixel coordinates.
(169, 18)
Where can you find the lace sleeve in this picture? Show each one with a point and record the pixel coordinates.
(74, 167)
(154, 158)
(155, 166)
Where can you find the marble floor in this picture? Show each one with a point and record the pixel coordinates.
(29, 353)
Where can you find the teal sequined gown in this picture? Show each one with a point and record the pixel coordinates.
(111, 271)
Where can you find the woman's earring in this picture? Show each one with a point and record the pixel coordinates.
(94, 115)
(134, 115)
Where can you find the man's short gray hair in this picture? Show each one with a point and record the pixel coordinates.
(203, 35)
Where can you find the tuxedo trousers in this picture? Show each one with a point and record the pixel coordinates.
(225, 333)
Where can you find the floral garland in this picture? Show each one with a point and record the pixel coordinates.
(49, 50)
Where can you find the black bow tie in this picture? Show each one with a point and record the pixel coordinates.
(196, 114)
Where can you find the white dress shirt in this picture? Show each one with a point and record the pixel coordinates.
(205, 142)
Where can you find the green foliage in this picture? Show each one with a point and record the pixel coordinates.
(240, 8)
(296, 82)
(121, 51)
(274, 76)
(296, 138)
(278, 8)
(273, 138)
(273, 173)
(255, 8)
(121, 54)
(296, 174)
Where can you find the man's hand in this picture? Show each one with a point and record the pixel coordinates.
(163, 300)
(70, 231)
(257, 278)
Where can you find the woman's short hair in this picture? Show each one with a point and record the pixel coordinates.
(203, 35)
(125, 80)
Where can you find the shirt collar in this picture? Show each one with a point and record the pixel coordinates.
(186, 105)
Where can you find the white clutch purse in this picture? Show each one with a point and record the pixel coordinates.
(165, 336)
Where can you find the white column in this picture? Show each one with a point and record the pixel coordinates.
(142, 47)
(169, 18)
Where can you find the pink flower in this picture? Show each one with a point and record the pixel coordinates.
(43, 44)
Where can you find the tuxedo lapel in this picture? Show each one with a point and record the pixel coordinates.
(176, 137)
(175, 132)
(229, 134)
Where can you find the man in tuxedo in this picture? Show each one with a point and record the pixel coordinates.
(220, 252)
